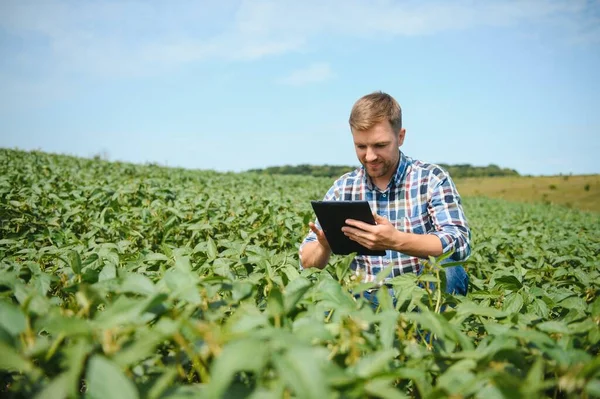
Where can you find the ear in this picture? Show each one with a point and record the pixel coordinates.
(401, 134)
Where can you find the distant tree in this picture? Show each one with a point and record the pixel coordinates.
(333, 171)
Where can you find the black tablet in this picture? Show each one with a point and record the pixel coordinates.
(332, 217)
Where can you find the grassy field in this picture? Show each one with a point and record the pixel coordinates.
(577, 192)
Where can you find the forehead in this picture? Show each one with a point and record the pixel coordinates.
(380, 132)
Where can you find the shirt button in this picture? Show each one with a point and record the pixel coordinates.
(384, 195)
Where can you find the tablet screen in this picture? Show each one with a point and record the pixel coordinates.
(332, 217)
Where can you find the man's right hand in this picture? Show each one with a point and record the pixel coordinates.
(320, 236)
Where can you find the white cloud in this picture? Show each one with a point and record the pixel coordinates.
(139, 38)
(316, 72)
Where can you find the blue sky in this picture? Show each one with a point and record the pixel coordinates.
(236, 85)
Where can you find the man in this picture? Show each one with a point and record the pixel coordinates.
(417, 209)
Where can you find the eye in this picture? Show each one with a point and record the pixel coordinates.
(361, 147)
(380, 145)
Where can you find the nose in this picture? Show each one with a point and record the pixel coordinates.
(370, 155)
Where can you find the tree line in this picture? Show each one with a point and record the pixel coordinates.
(333, 171)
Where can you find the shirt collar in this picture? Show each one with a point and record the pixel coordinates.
(396, 178)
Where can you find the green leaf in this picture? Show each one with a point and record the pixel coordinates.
(75, 357)
(456, 381)
(311, 331)
(429, 320)
(591, 368)
(342, 268)
(89, 260)
(143, 347)
(593, 388)
(155, 256)
(246, 318)
(12, 318)
(553, 327)
(385, 299)
(470, 308)
(13, 361)
(509, 283)
(382, 388)
(539, 308)
(123, 311)
(387, 328)
(374, 363)
(294, 292)
(182, 285)
(241, 355)
(137, 284)
(595, 307)
(532, 336)
(105, 379)
(162, 383)
(496, 329)
(211, 249)
(333, 296)
(183, 263)
(69, 326)
(574, 302)
(418, 376)
(57, 388)
(535, 377)
(75, 262)
(241, 290)
(513, 303)
(582, 327)
(302, 371)
(42, 282)
(275, 303)
(109, 271)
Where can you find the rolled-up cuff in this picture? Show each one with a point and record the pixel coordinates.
(447, 240)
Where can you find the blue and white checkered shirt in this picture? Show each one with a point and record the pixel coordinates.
(421, 198)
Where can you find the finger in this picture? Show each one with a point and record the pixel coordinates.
(321, 236)
(314, 228)
(358, 224)
(353, 231)
(357, 235)
(362, 240)
(354, 237)
(380, 219)
(319, 233)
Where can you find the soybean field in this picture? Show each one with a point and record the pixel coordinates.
(140, 281)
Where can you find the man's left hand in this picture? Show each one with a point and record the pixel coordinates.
(382, 236)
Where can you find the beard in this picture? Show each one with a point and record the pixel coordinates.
(379, 169)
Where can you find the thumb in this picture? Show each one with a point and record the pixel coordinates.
(379, 219)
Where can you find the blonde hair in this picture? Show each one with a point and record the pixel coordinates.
(374, 108)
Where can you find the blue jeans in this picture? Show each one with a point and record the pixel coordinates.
(457, 283)
(457, 280)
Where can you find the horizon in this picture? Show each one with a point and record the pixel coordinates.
(101, 157)
(245, 85)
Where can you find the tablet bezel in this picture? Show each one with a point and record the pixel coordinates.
(332, 216)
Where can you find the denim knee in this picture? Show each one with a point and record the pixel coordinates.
(457, 280)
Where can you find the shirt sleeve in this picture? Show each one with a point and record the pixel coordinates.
(449, 219)
(333, 194)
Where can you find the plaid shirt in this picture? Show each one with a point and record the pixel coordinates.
(420, 198)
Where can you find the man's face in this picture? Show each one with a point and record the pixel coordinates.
(377, 150)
